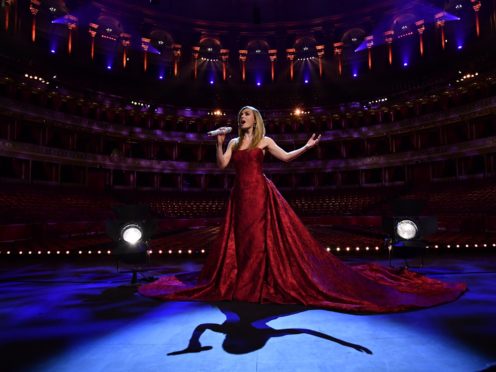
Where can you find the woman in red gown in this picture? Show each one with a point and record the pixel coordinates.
(265, 254)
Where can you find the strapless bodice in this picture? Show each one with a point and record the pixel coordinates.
(248, 164)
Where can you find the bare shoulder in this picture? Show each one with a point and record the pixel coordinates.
(267, 141)
(232, 142)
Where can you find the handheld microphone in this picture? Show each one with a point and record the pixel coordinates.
(223, 130)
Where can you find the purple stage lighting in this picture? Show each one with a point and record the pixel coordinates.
(405, 64)
(211, 82)
(161, 77)
(306, 81)
(109, 67)
(52, 50)
(460, 47)
(355, 74)
(258, 83)
(60, 21)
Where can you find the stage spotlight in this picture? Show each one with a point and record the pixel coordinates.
(131, 232)
(407, 229)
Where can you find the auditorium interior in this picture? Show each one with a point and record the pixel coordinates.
(107, 103)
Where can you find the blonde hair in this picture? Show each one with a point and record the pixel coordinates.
(258, 131)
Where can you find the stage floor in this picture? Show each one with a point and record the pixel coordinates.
(81, 315)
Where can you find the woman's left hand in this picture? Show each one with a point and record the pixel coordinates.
(313, 141)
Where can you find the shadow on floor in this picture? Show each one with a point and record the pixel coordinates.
(246, 328)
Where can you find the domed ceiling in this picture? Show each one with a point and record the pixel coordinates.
(237, 22)
(248, 13)
(259, 11)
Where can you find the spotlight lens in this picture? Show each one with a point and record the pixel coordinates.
(406, 229)
(131, 234)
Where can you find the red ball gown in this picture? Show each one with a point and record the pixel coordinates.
(265, 254)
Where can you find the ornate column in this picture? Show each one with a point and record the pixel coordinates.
(16, 14)
(175, 151)
(34, 7)
(7, 6)
(320, 55)
(439, 17)
(338, 52)
(420, 29)
(476, 5)
(293, 181)
(417, 141)
(386, 176)
(180, 182)
(176, 53)
(243, 55)
(388, 37)
(290, 53)
(132, 179)
(370, 43)
(92, 32)
(156, 181)
(145, 44)
(443, 136)
(273, 59)
(71, 25)
(316, 177)
(342, 150)
(224, 57)
(492, 16)
(126, 42)
(196, 55)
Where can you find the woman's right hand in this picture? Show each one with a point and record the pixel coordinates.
(221, 137)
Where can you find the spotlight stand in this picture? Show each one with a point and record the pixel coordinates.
(132, 249)
(137, 261)
(413, 248)
(407, 241)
